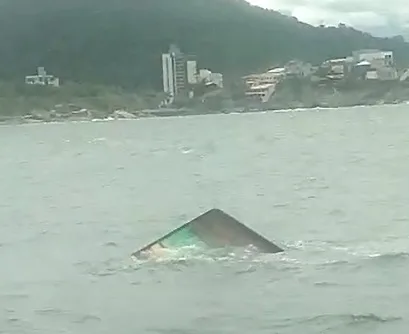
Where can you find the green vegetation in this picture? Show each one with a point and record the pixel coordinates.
(118, 43)
(20, 99)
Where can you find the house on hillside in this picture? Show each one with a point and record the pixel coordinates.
(42, 78)
(379, 65)
(209, 78)
(377, 58)
(262, 93)
(272, 76)
(299, 69)
(262, 86)
(334, 69)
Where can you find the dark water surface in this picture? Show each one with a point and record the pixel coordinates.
(331, 187)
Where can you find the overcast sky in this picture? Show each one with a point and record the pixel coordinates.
(381, 17)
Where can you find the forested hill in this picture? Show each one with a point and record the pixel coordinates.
(119, 42)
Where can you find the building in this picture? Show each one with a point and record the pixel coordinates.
(259, 79)
(272, 76)
(179, 72)
(262, 92)
(262, 86)
(42, 78)
(377, 58)
(209, 78)
(379, 64)
(277, 73)
(298, 69)
(366, 64)
(181, 75)
(382, 74)
(335, 68)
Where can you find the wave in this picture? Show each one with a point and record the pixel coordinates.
(329, 322)
(348, 320)
(392, 256)
(296, 254)
(352, 318)
(297, 257)
(194, 253)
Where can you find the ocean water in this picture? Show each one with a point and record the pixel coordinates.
(330, 186)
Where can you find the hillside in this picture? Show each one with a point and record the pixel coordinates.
(120, 42)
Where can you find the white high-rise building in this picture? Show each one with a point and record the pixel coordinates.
(179, 71)
(168, 75)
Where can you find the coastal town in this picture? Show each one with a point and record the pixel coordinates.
(372, 77)
(214, 56)
(180, 74)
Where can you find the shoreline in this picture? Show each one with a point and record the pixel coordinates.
(138, 115)
(73, 102)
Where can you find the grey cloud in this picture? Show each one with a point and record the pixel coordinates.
(379, 17)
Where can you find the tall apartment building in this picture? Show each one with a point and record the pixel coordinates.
(179, 72)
